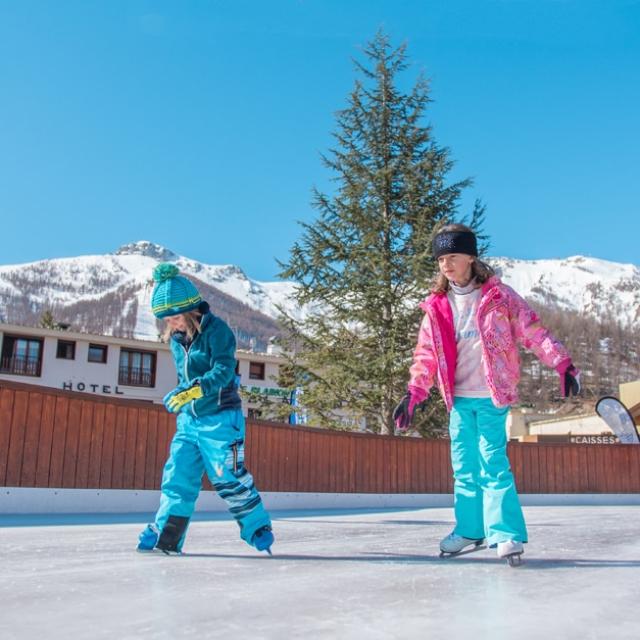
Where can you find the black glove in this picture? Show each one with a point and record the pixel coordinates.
(403, 413)
(570, 381)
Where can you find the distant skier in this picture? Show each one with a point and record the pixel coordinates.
(468, 343)
(210, 427)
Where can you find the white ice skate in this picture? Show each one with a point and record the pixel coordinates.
(512, 550)
(454, 545)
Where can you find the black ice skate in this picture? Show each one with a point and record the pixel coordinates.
(170, 541)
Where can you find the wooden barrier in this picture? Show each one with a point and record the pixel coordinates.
(62, 439)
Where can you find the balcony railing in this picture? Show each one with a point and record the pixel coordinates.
(21, 366)
(135, 377)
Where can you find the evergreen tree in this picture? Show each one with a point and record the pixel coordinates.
(365, 263)
(47, 321)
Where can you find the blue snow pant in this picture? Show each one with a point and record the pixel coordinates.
(215, 444)
(486, 502)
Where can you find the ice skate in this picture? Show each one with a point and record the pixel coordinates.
(148, 542)
(454, 545)
(263, 539)
(512, 550)
(168, 552)
(173, 532)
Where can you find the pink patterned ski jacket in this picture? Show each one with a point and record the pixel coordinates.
(504, 320)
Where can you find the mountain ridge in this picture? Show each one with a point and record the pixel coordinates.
(111, 293)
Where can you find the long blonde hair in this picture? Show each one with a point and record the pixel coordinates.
(480, 270)
(192, 320)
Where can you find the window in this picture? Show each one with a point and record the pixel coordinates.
(66, 350)
(137, 368)
(97, 353)
(256, 370)
(21, 356)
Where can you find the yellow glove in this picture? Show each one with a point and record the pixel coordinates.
(178, 400)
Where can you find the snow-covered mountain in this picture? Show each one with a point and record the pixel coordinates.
(110, 294)
(594, 287)
(264, 297)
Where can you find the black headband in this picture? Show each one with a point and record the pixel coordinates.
(454, 242)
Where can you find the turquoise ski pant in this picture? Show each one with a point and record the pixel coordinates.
(215, 444)
(486, 502)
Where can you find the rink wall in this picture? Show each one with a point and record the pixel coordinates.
(59, 439)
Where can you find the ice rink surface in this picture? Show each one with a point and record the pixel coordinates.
(334, 574)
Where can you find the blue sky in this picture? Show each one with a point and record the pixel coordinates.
(199, 124)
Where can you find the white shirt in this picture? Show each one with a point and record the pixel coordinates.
(470, 380)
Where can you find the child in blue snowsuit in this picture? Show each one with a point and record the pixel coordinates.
(210, 427)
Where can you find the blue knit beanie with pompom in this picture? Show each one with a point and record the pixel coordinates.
(173, 293)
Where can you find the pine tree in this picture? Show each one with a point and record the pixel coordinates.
(47, 321)
(365, 262)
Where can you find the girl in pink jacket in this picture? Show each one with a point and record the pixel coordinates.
(468, 346)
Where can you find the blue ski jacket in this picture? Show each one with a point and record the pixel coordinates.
(209, 360)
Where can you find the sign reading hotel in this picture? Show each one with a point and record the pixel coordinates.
(92, 388)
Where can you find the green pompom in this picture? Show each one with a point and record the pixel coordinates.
(164, 271)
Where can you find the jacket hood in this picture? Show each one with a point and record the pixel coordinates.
(435, 299)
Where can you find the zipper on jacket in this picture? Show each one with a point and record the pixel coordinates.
(186, 362)
(234, 448)
(444, 379)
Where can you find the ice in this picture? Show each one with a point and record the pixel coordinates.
(334, 574)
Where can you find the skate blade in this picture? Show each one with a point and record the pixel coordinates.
(156, 551)
(452, 554)
(514, 560)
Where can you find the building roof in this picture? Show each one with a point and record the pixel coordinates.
(77, 335)
(61, 334)
(569, 418)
